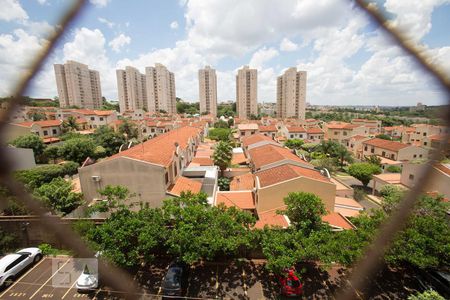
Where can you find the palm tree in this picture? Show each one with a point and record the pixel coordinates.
(70, 124)
(222, 155)
(343, 155)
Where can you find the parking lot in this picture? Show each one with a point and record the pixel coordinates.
(54, 278)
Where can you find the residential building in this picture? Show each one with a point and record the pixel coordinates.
(291, 94)
(315, 134)
(78, 85)
(420, 136)
(269, 130)
(207, 82)
(48, 130)
(412, 174)
(160, 84)
(373, 126)
(132, 90)
(340, 131)
(354, 144)
(393, 150)
(246, 92)
(149, 170)
(247, 129)
(91, 117)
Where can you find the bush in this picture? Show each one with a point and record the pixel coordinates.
(427, 295)
(219, 134)
(359, 194)
(59, 196)
(364, 171)
(7, 242)
(394, 169)
(224, 184)
(30, 141)
(44, 174)
(47, 249)
(77, 149)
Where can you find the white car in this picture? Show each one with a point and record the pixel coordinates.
(12, 264)
(87, 281)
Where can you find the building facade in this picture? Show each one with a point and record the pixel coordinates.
(291, 94)
(207, 81)
(160, 84)
(78, 85)
(132, 89)
(246, 92)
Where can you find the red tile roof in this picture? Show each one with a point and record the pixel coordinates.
(238, 158)
(242, 182)
(296, 129)
(314, 130)
(241, 199)
(443, 168)
(203, 161)
(184, 184)
(287, 172)
(254, 138)
(337, 220)
(269, 128)
(268, 154)
(94, 112)
(386, 144)
(271, 219)
(160, 149)
(44, 123)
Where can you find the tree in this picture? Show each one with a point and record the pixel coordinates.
(70, 124)
(426, 295)
(294, 143)
(219, 134)
(327, 147)
(106, 137)
(304, 210)
(77, 149)
(52, 152)
(129, 129)
(373, 159)
(59, 196)
(343, 155)
(7, 242)
(221, 124)
(222, 155)
(364, 171)
(30, 141)
(224, 184)
(114, 198)
(383, 137)
(394, 169)
(35, 177)
(230, 122)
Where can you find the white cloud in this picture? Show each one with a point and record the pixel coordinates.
(288, 45)
(119, 42)
(262, 56)
(174, 25)
(100, 3)
(11, 10)
(42, 2)
(106, 22)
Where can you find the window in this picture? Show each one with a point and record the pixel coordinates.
(372, 150)
(335, 133)
(393, 156)
(365, 148)
(420, 155)
(411, 177)
(425, 143)
(45, 132)
(167, 177)
(92, 118)
(424, 134)
(345, 133)
(54, 131)
(292, 136)
(101, 118)
(383, 153)
(301, 136)
(415, 155)
(175, 171)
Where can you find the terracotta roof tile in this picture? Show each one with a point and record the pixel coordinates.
(443, 168)
(241, 199)
(294, 128)
(160, 149)
(255, 138)
(238, 158)
(314, 130)
(203, 161)
(269, 128)
(249, 126)
(337, 220)
(287, 172)
(271, 219)
(184, 184)
(44, 123)
(268, 154)
(242, 182)
(386, 144)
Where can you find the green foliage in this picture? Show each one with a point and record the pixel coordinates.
(222, 155)
(30, 141)
(73, 135)
(219, 134)
(383, 137)
(230, 122)
(363, 171)
(44, 174)
(221, 124)
(359, 194)
(114, 198)
(426, 295)
(110, 140)
(109, 106)
(70, 124)
(373, 159)
(129, 129)
(77, 149)
(309, 146)
(325, 163)
(58, 195)
(52, 152)
(8, 242)
(305, 211)
(12, 207)
(223, 183)
(226, 110)
(294, 143)
(188, 108)
(394, 169)
(47, 249)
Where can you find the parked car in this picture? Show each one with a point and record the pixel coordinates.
(13, 264)
(175, 280)
(87, 281)
(290, 284)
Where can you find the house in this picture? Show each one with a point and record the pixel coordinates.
(247, 129)
(244, 200)
(397, 131)
(256, 140)
(393, 150)
(269, 156)
(148, 170)
(340, 131)
(244, 182)
(48, 130)
(94, 118)
(354, 144)
(269, 130)
(380, 180)
(315, 134)
(439, 182)
(295, 132)
(421, 132)
(373, 126)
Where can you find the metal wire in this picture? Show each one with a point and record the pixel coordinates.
(119, 279)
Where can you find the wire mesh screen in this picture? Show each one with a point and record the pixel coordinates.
(119, 279)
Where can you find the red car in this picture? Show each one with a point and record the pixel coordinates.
(290, 284)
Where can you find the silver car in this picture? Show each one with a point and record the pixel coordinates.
(12, 264)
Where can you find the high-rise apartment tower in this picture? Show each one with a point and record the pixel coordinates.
(246, 92)
(132, 90)
(291, 94)
(207, 82)
(160, 85)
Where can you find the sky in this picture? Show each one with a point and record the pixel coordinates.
(349, 61)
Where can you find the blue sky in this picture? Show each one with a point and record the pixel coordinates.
(348, 60)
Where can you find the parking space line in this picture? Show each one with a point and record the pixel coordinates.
(65, 294)
(18, 280)
(45, 283)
